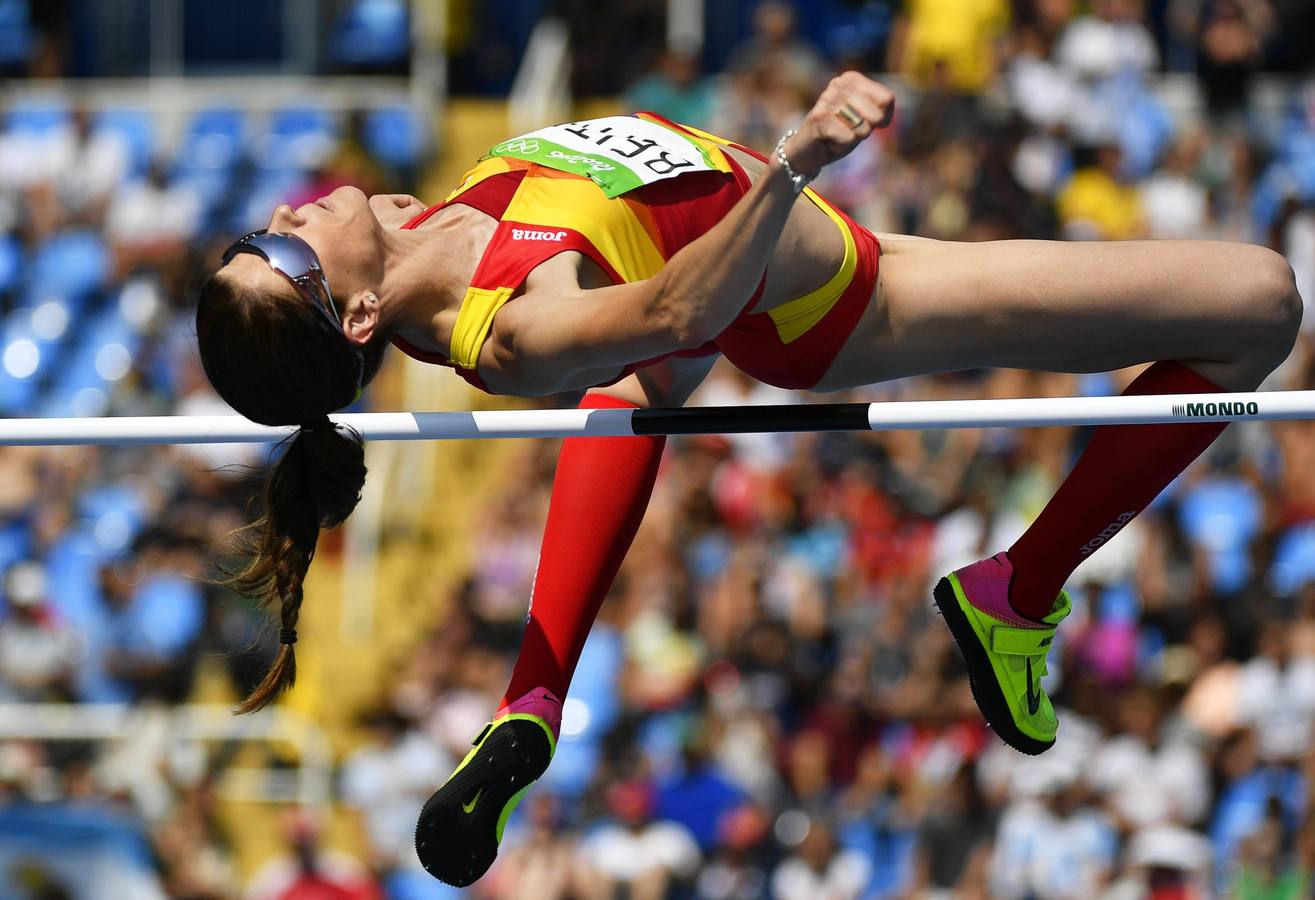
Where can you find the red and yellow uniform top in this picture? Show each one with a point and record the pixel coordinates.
(543, 211)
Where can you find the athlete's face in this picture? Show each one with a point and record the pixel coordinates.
(347, 237)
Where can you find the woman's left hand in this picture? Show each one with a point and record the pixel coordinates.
(848, 110)
(395, 210)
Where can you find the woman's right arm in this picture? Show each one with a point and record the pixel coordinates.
(565, 332)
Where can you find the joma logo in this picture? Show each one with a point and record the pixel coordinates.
(1238, 408)
(1108, 532)
(525, 234)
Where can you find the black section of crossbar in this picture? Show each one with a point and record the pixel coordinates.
(752, 419)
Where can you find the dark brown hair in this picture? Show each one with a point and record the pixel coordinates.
(277, 361)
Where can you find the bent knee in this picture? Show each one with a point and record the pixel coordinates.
(1271, 302)
(1278, 299)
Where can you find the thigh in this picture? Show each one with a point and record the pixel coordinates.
(1050, 305)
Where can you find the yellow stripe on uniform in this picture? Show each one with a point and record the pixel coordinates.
(473, 323)
(578, 204)
(794, 318)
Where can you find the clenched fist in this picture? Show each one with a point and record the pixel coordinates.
(850, 107)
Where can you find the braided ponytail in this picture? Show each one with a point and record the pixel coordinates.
(273, 359)
(315, 485)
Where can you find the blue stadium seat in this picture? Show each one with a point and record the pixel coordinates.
(15, 544)
(1223, 516)
(270, 190)
(73, 264)
(1272, 189)
(1298, 151)
(48, 325)
(395, 136)
(116, 513)
(1144, 132)
(1119, 603)
(11, 262)
(298, 137)
(215, 139)
(1245, 802)
(371, 33)
(137, 128)
(405, 884)
(18, 396)
(104, 499)
(294, 120)
(38, 116)
(24, 355)
(71, 571)
(1294, 561)
(16, 32)
(212, 186)
(86, 377)
(213, 145)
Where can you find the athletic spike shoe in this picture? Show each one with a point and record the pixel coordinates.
(1006, 653)
(461, 825)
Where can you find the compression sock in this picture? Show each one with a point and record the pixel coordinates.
(599, 495)
(1121, 470)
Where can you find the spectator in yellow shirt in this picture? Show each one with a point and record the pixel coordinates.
(948, 44)
(1096, 205)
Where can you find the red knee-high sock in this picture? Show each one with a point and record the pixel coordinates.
(599, 495)
(1121, 470)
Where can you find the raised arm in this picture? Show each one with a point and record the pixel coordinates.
(552, 342)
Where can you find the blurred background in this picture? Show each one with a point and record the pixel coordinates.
(767, 706)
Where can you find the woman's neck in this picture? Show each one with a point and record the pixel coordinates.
(428, 270)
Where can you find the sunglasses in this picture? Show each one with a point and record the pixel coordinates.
(294, 259)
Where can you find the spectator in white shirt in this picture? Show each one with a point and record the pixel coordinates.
(1148, 778)
(1276, 695)
(1174, 204)
(388, 779)
(820, 870)
(633, 851)
(151, 221)
(1056, 843)
(1112, 40)
(38, 654)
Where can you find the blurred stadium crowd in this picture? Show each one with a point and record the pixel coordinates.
(767, 707)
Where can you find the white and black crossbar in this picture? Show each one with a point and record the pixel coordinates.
(931, 414)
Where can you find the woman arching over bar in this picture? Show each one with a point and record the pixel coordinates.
(621, 255)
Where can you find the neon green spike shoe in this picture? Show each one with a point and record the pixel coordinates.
(1005, 653)
(461, 825)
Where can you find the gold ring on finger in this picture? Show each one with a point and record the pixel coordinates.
(847, 115)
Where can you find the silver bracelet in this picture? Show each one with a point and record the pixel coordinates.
(799, 181)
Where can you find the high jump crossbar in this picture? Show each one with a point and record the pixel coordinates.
(919, 414)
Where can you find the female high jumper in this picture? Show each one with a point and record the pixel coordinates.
(621, 255)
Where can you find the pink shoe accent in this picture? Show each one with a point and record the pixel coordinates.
(539, 702)
(986, 584)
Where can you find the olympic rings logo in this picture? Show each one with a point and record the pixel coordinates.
(520, 145)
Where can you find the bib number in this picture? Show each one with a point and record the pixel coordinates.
(618, 153)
